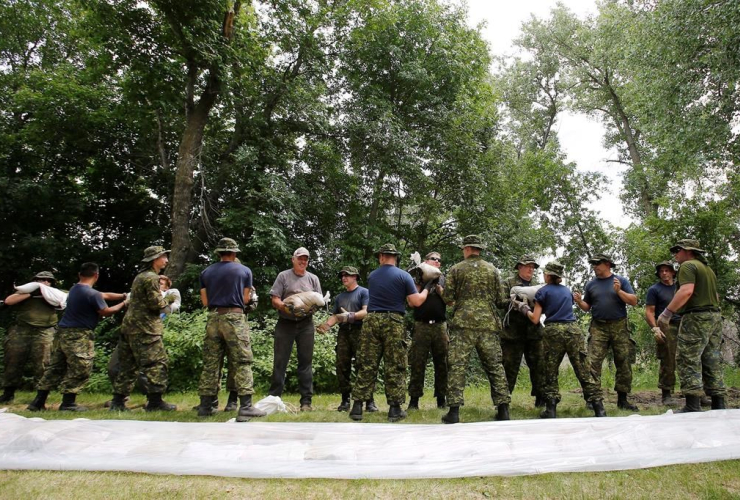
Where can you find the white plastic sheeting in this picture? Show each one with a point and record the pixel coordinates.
(361, 450)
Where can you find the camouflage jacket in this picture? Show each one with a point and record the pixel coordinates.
(145, 304)
(474, 290)
(517, 326)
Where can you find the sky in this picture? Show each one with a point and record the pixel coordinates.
(581, 137)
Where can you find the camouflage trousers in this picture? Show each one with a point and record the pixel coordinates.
(614, 335)
(383, 337)
(512, 351)
(699, 357)
(666, 353)
(561, 339)
(486, 343)
(26, 344)
(348, 342)
(72, 361)
(226, 334)
(428, 337)
(145, 353)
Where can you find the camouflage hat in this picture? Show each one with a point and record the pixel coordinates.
(599, 257)
(227, 245)
(665, 263)
(526, 259)
(352, 271)
(388, 248)
(687, 244)
(152, 253)
(554, 268)
(45, 275)
(473, 240)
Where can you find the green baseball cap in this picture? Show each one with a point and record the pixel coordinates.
(227, 245)
(687, 244)
(525, 260)
(152, 253)
(473, 240)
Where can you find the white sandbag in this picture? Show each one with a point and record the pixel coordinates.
(271, 404)
(525, 293)
(53, 296)
(305, 302)
(174, 306)
(423, 269)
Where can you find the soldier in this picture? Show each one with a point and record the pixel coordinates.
(74, 352)
(607, 297)
(30, 338)
(291, 328)
(700, 333)
(430, 334)
(383, 334)
(141, 348)
(561, 336)
(520, 337)
(658, 297)
(350, 308)
(225, 289)
(474, 290)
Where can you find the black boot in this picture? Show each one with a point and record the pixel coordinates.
(539, 402)
(69, 404)
(706, 401)
(623, 404)
(693, 404)
(718, 403)
(441, 401)
(371, 407)
(503, 412)
(452, 416)
(118, 403)
(39, 402)
(8, 395)
(205, 408)
(413, 404)
(551, 409)
(246, 410)
(232, 403)
(344, 405)
(599, 409)
(356, 411)
(156, 403)
(395, 413)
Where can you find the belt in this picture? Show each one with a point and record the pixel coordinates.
(386, 312)
(295, 320)
(608, 321)
(227, 310)
(431, 321)
(701, 310)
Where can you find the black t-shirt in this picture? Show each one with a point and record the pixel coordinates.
(660, 295)
(434, 308)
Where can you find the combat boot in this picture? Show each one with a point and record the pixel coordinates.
(599, 409)
(706, 401)
(667, 399)
(441, 401)
(503, 412)
(246, 410)
(39, 402)
(551, 409)
(205, 408)
(356, 412)
(344, 405)
(693, 404)
(539, 402)
(156, 403)
(452, 416)
(232, 403)
(413, 404)
(718, 403)
(8, 395)
(371, 407)
(69, 404)
(623, 404)
(395, 413)
(118, 403)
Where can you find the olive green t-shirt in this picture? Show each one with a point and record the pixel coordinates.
(35, 311)
(705, 285)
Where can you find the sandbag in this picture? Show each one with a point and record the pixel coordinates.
(271, 404)
(525, 293)
(305, 303)
(421, 271)
(53, 296)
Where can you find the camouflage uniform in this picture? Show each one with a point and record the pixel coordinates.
(699, 357)
(348, 343)
(72, 361)
(383, 337)
(428, 337)
(226, 333)
(615, 334)
(666, 353)
(561, 339)
(473, 290)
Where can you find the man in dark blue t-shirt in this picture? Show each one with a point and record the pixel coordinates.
(607, 297)
(72, 360)
(383, 335)
(658, 297)
(225, 288)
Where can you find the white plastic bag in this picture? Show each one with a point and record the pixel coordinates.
(52, 296)
(271, 404)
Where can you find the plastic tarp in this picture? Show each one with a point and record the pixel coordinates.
(362, 450)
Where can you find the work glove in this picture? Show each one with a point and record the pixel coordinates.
(664, 319)
(429, 285)
(323, 327)
(345, 316)
(659, 335)
(170, 299)
(522, 307)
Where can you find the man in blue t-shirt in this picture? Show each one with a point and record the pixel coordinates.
(225, 288)
(350, 308)
(658, 297)
(74, 352)
(383, 334)
(607, 297)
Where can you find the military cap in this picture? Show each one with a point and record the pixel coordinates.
(387, 248)
(227, 245)
(526, 259)
(602, 257)
(666, 263)
(554, 268)
(473, 240)
(45, 275)
(348, 270)
(301, 251)
(687, 244)
(152, 253)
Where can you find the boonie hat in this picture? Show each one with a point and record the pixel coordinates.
(301, 251)
(152, 253)
(387, 248)
(227, 245)
(687, 244)
(473, 240)
(602, 257)
(525, 260)
(348, 270)
(665, 263)
(45, 275)
(554, 268)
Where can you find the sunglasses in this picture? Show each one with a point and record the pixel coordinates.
(435, 259)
